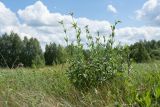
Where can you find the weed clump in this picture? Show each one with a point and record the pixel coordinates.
(106, 59)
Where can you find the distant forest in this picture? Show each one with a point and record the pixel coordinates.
(28, 52)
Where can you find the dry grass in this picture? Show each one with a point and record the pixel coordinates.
(50, 87)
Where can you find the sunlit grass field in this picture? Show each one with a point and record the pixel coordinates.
(50, 87)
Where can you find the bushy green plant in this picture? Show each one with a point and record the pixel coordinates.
(105, 60)
(38, 61)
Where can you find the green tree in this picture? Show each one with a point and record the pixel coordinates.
(54, 54)
(10, 49)
(139, 53)
(32, 53)
(155, 54)
(50, 54)
(69, 50)
(61, 54)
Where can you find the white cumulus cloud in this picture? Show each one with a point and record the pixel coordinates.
(111, 8)
(131, 35)
(39, 15)
(7, 17)
(150, 12)
(37, 21)
(45, 23)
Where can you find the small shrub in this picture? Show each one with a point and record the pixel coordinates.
(105, 59)
(38, 62)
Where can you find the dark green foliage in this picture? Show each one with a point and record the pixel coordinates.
(38, 61)
(50, 54)
(86, 53)
(14, 51)
(10, 50)
(61, 54)
(54, 54)
(31, 52)
(69, 50)
(145, 51)
(155, 54)
(139, 53)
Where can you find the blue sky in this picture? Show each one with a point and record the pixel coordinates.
(92, 9)
(39, 18)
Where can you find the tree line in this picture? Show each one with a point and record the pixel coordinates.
(15, 51)
(145, 51)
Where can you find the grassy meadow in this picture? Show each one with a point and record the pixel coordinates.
(50, 87)
(77, 54)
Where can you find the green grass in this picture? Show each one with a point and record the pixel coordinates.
(50, 87)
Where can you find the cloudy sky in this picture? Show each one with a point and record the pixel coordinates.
(39, 19)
